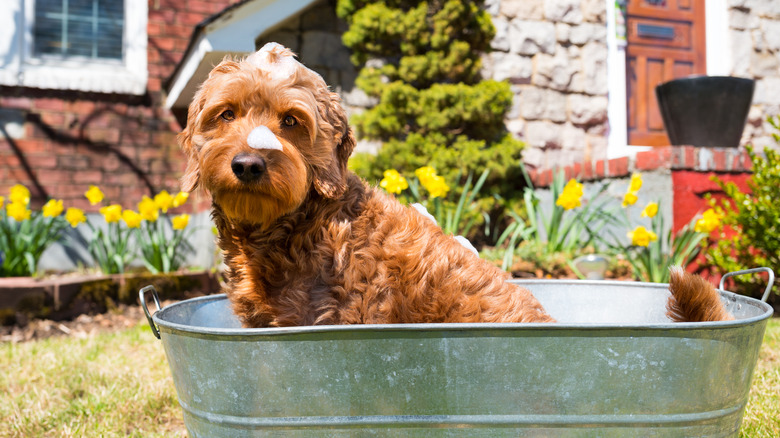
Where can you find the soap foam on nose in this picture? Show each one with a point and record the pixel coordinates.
(262, 138)
(276, 60)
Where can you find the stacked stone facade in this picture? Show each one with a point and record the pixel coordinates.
(754, 29)
(554, 53)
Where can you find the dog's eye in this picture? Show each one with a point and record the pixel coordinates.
(228, 115)
(290, 121)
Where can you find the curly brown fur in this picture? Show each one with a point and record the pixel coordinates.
(308, 242)
(693, 299)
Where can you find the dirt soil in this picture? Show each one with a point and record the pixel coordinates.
(122, 317)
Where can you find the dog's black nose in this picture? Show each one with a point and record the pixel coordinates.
(248, 167)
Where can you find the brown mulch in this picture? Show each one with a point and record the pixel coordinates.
(121, 317)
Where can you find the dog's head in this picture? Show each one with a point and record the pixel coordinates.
(261, 133)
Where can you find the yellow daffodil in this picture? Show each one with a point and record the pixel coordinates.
(53, 208)
(75, 216)
(131, 218)
(163, 200)
(433, 183)
(180, 222)
(650, 210)
(19, 195)
(641, 236)
(425, 174)
(629, 198)
(2, 201)
(180, 199)
(636, 182)
(710, 220)
(112, 213)
(18, 211)
(437, 187)
(94, 195)
(148, 209)
(393, 182)
(571, 195)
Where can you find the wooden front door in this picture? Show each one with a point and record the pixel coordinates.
(665, 40)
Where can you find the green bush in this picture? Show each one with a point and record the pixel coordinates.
(421, 61)
(750, 232)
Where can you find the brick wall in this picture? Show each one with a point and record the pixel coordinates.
(688, 169)
(124, 144)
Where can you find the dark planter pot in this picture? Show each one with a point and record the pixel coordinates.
(708, 111)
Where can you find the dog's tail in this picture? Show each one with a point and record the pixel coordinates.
(693, 299)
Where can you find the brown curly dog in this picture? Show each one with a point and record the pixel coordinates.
(306, 241)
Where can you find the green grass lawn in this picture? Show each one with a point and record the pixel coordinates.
(118, 385)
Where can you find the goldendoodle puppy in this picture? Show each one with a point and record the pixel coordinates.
(306, 241)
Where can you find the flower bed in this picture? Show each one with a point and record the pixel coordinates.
(64, 297)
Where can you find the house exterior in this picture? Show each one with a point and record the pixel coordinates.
(97, 95)
(93, 114)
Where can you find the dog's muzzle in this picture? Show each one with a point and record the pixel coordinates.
(248, 167)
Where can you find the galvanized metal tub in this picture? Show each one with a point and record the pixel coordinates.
(612, 366)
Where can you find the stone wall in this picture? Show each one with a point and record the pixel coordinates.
(754, 27)
(554, 53)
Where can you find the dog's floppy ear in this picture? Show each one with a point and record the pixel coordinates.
(191, 177)
(331, 181)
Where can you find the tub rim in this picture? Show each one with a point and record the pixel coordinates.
(173, 327)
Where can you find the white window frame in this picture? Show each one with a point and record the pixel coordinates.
(126, 76)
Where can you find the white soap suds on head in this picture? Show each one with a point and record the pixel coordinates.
(276, 60)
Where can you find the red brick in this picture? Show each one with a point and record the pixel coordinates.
(120, 178)
(577, 171)
(601, 169)
(587, 171)
(719, 159)
(617, 167)
(32, 145)
(73, 162)
(16, 102)
(82, 107)
(54, 176)
(156, 28)
(88, 177)
(83, 204)
(690, 157)
(55, 119)
(46, 103)
(163, 43)
(163, 15)
(180, 45)
(103, 135)
(180, 31)
(41, 161)
(654, 159)
(10, 160)
(190, 18)
(154, 84)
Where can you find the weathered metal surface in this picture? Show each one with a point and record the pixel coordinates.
(612, 366)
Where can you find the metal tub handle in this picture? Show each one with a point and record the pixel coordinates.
(142, 296)
(751, 271)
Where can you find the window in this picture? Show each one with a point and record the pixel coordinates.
(79, 28)
(82, 45)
